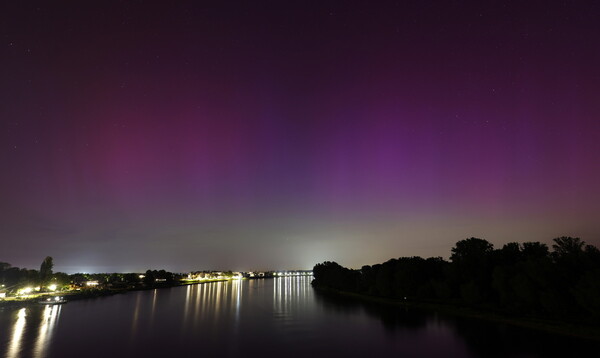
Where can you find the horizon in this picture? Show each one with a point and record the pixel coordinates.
(447, 259)
(266, 136)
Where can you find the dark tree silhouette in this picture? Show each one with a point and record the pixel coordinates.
(523, 279)
(534, 250)
(471, 250)
(567, 247)
(46, 270)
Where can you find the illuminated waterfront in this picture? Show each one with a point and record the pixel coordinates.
(243, 318)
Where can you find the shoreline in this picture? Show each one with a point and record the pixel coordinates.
(98, 293)
(554, 327)
(93, 293)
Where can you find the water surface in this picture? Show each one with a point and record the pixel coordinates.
(280, 317)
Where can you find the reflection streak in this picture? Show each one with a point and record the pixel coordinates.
(49, 320)
(14, 347)
(136, 314)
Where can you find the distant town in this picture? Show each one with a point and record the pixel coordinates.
(23, 285)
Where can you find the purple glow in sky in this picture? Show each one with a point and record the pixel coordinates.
(271, 135)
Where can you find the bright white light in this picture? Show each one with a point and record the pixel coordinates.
(52, 287)
(26, 290)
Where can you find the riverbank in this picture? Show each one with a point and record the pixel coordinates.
(94, 293)
(554, 327)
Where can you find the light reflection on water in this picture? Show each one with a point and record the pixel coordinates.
(288, 294)
(238, 318)
(46, 318)
(15, 343)
(50, 317)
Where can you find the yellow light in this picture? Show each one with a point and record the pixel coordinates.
(52, 287)
(27, 290)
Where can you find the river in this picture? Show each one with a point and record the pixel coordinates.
(281, 317)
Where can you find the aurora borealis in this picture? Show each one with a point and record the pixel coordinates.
(271, 135)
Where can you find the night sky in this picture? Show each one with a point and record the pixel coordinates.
(192, 135)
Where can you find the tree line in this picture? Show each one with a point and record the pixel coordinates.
(13, 278)
(521, 279)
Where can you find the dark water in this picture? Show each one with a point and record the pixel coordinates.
(259, 318)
